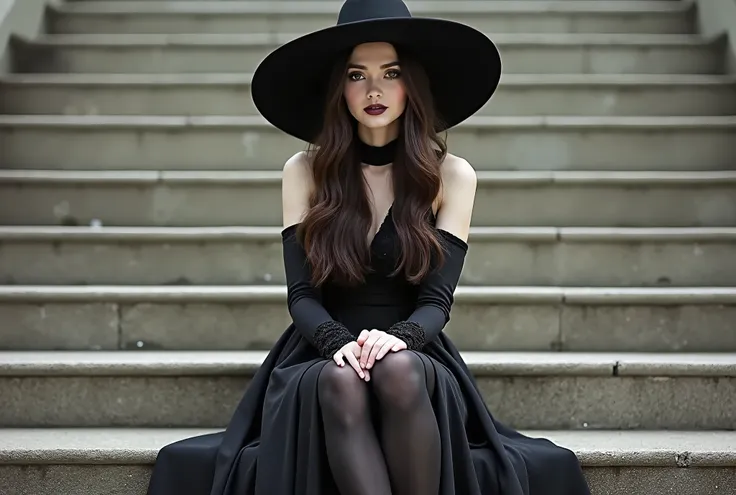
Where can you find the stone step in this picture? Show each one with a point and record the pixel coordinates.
(117, 461)
(229, 94)
(502, 256)
(227, 198)
(412, 3)
(522, 53)
(273, 17)
(249, 142)
(525, 390)
(655, 319)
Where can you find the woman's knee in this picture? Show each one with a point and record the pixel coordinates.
(343, 396)
(399, 380)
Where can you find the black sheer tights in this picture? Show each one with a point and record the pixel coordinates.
(407, 459)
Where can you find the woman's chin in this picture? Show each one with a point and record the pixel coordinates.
(377, 122)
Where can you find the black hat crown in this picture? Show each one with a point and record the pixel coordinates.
(365, 10)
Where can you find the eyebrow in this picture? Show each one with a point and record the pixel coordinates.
(363, 67)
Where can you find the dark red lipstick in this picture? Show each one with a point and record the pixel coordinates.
(375, 109)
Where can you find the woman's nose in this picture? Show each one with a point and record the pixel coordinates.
(375, 92)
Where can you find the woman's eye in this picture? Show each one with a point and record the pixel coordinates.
(355, 76)
(393, 74)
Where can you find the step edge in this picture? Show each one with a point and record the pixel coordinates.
(418, 8)
(266, 39)
(123, 363)
(485, 178)
(559, 235)
(509, 81)
(723, 454)
(554, 122)
(277, 293)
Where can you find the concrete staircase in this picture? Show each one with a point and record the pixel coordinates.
(140, 211)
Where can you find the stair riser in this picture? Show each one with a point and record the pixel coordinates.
(660, 480)
(251, 324)
(245, 261)
(518, 58)
(412, 4)
(538, 402)
(241, 147)
(81, 479)
(497, 22)
(224, 99)
(76, 479)
(133, 480)
(192, 204)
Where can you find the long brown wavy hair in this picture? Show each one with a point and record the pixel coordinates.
(334, 231)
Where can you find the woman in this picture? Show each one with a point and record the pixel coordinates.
(364, 394)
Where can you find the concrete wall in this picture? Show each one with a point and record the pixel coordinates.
(22, 18)
(718, 18)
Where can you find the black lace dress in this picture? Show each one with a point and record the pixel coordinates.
(274, 443)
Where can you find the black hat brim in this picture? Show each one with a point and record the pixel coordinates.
(463, 66)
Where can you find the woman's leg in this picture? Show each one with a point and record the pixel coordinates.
(410, 435)
(353, 451)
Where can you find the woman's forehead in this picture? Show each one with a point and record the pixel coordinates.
(376, 53)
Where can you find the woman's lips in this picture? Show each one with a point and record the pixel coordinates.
(375, 109)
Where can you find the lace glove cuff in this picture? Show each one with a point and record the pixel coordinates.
(410, 332)
(330, 337)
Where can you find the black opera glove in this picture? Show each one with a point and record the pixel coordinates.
(435, 297)
(410, 332)
(330, 337)
(305, 301)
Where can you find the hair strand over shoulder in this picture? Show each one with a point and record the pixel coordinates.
(335, 229)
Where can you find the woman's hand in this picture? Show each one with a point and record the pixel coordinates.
(375, 344)
(350, 352)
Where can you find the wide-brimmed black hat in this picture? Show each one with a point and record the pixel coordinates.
(463, 65)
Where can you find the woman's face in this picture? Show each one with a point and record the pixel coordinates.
(374, 91)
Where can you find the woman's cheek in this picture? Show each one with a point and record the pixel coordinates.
(351, 97)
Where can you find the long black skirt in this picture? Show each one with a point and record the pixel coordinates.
(274, 444)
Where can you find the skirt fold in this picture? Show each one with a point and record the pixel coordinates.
(274, 443)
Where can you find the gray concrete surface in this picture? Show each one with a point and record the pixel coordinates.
(279, 17)
(118, 461)
(252, 256)
(524, 143)
(484, 318)
(19, 19)
(229, 94)
(524, 390)
(717, 18)
(110, 479)
(523, 53)
(226, 198)
(138, 446)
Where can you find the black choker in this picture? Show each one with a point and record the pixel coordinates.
(376, 155)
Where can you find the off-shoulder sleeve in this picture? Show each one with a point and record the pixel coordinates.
(436, 297)
(305, 301)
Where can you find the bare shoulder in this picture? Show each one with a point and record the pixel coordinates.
(297, 168)
(296, 187)
(459, 182)
(457, 172)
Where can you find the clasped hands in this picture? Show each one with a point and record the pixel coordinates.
(370, 346)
